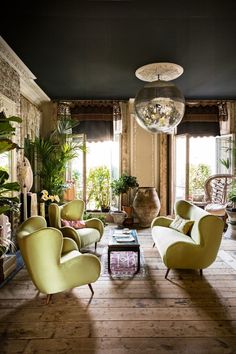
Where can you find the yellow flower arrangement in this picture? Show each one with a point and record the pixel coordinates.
(46, 197)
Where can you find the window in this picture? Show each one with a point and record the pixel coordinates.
(196, 158)
(93, 169)
(195, 161)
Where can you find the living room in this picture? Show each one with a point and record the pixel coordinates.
(90, 171)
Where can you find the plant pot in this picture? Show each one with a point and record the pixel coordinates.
(105, 209)
(231, 221)
(128, 210)
(119, 217)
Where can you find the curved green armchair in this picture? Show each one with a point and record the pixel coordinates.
(74, 210)
(53, 261)
(197, 250)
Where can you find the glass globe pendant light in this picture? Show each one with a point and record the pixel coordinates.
(159, 105)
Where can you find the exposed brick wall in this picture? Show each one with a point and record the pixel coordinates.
(9, 81)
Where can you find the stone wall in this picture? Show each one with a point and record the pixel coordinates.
(31, 117)
(9, 82)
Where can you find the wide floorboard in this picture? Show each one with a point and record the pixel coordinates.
(185, 314)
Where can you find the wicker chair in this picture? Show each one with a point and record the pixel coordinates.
(216, 191)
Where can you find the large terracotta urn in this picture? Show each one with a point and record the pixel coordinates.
(146, 205)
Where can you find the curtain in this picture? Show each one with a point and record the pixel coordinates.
(95, 117)
(201, 120)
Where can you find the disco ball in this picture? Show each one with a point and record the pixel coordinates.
(159, 107)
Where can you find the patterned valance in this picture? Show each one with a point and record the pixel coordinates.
(98, 118)
(202, 119)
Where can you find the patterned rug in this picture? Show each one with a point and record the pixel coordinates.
(123, 265)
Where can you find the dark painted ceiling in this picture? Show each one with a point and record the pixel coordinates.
(91, 49)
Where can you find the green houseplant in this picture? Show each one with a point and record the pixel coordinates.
(53, 153)
(122, 186)
(7, 201)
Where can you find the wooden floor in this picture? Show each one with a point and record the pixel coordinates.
(185, 314)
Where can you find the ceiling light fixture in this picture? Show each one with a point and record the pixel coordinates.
(159, 105)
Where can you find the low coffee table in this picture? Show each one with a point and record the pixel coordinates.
(132, 246)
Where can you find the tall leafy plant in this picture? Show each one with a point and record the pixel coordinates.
(7, 202)
(53, 153)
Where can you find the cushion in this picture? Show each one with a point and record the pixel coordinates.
(181, 225)
(216, 209)
(76, 224)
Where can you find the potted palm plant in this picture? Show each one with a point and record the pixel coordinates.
(53, 153)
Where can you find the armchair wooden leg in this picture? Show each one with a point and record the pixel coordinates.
(167, 272)
(49, 296)
(201, 273)
(153, 244)
(91, 288)
(95, 246)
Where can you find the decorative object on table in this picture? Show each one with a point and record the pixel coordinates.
(159, 105)
(45, 201)
(146, 205)
(73, 211)
(196, 250)
(49, 198)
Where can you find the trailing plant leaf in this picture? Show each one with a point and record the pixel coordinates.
(10, 186)
(7, 145)
(14, 119)
(3, 176)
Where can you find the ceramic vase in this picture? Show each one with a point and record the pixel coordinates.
(146, 205)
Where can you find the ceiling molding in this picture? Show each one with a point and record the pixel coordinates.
(28, 87)
(30, 90)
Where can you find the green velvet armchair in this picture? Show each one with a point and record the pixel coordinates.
(53, 261)
(74, 211)
(196, 250)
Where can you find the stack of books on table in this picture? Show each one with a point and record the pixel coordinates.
(123, 236)
(7, 266)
